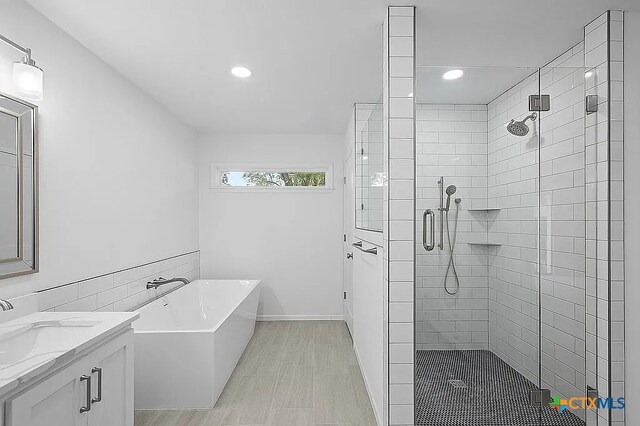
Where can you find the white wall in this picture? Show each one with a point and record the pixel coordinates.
(118, 173)
(293, 242)
(631, 207)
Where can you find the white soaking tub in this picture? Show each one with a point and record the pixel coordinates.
(188, 342)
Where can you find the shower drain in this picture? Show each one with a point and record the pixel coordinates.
(458, 384)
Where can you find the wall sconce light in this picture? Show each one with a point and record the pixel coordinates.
(27, 77)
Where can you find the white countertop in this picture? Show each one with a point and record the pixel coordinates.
(43, 340)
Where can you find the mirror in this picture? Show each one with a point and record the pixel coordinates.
(369, 161)
(18, 187)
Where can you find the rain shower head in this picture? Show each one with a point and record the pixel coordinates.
(520, 128)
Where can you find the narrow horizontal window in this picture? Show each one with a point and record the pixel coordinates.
(271, 177)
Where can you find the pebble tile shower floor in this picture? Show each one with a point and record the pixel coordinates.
(292, 373)
(477, 388)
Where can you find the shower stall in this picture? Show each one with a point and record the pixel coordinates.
(503, 278)
(505, 169)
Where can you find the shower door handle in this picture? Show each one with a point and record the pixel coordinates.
(431, 245)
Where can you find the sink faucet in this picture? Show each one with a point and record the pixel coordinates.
(5, 305)
(162, 281)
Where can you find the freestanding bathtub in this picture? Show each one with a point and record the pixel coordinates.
(188, 342)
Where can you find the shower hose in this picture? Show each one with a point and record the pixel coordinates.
(451, 266)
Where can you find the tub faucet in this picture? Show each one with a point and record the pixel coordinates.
(5, 305)
(162, 281)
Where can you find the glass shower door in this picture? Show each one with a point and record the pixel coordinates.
(477, 261)
(567, 136)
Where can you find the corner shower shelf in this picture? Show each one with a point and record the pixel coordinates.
(488, 209)
(487, 244)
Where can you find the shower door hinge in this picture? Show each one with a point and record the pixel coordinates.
(361, 151)
(592, 393)
(591, 104)
(344, 180)
(344, 237)
(344, 295)
(540, 397)
(361, 206)
(539, 102)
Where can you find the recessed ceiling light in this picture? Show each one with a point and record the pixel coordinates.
(452, 75)
(241, 72)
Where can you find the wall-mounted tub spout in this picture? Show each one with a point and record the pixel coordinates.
(162, 281)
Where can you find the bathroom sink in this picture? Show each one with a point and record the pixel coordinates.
(41, 342)
(23, 342)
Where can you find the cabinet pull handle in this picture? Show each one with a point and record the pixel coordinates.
(88, 400)
(99, 371)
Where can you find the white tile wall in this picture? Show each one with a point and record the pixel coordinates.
(451, 141)
(398, 213)
(605, 262)
(121, 290)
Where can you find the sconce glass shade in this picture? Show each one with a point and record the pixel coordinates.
(27, 80)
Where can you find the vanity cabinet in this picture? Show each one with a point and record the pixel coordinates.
(96, 389)
(56, 400)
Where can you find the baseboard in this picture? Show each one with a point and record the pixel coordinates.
(366, 385)
(300, 318)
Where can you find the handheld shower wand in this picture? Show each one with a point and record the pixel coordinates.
(451, 189)
(451, 240)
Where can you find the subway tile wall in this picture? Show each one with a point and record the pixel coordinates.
(616, 206)
(398, 213)
(605, 261)
(121, 290)
(451, 141)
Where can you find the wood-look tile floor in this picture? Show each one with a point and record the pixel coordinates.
(292, 373)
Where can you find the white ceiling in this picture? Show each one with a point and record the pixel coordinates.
(311, 59)
(478, 85)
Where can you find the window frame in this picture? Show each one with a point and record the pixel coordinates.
(217, 169)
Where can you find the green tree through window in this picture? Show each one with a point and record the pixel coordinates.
(274, 179)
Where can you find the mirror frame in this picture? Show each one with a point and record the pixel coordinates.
(22, 265)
